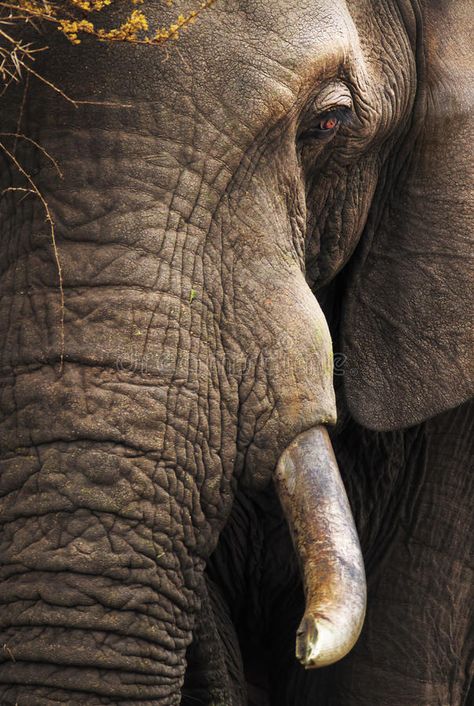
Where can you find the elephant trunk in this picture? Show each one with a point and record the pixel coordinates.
(315, 504)
(99, 580)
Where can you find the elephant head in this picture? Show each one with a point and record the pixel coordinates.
(174, 348)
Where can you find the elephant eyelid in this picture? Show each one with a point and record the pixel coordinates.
(343, 113)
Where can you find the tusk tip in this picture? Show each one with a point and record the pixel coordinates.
(306, 641)
(318, 643)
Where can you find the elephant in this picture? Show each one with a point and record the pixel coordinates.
(252, 268)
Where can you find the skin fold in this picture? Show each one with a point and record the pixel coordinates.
(216, 243)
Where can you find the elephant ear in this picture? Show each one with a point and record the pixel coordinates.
(407, 331)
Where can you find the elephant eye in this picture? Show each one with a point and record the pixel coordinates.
(327, 124)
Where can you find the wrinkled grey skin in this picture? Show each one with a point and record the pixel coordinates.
(120, 467)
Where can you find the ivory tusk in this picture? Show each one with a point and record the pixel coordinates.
(316, 507)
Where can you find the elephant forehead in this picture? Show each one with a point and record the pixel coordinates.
(260, 56)
(241, 61)
(298, 37)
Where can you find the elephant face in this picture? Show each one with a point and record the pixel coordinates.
(205, 193)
